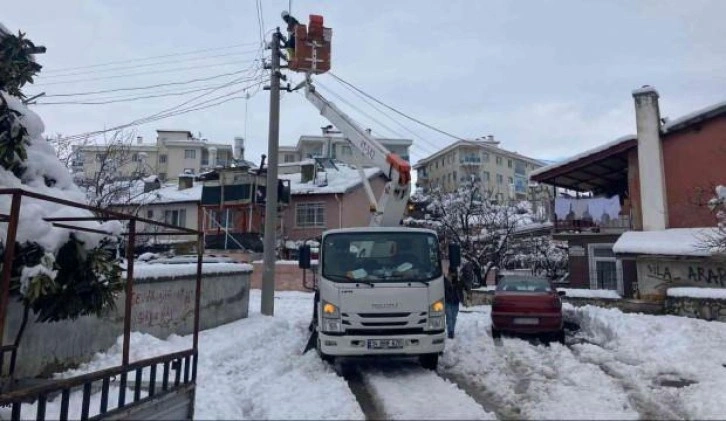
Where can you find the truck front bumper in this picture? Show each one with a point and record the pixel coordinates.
(361, 345)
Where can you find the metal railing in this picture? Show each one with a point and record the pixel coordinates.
(186, 359)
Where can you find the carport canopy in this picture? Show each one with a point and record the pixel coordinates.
(602, 170)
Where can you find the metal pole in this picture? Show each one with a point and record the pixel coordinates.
(198, 286)
(130, 248)
(268, 274)
(8, 259)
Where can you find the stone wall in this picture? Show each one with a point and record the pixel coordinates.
(699, 308)
(161, 307)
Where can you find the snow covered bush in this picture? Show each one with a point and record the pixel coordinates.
(57, 273)
(718, 206)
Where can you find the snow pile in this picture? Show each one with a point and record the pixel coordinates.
(674, 242)
(525, 381)
(712, 293)
(249, 369)
(340, 181)
(674, 365)
(590, 293)
(41, 165)
(158, 270)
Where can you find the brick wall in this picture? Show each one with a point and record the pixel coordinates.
(288, 277)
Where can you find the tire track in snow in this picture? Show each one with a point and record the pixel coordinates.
(400, 389)
(651, 403)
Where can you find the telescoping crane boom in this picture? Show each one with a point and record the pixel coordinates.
(391, 206)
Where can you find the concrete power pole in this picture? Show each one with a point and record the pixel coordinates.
(268, 274)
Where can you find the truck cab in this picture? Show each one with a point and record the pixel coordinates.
(380, 291)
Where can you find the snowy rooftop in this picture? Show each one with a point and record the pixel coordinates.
(340, 181)
(169, 193)
(670, 242)
(584, 154)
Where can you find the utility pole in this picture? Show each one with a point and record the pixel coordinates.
(273, 141)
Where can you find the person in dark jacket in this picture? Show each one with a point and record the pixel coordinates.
(291, 23)
(453, 295)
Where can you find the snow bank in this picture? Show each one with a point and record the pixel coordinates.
(712, 293)
(249, 369)
(590, 293)
(153, 271)
(677, 363)
(674, 241)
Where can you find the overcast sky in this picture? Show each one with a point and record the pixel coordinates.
(546, 78)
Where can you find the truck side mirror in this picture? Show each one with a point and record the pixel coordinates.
(303, 257)
(454, 256)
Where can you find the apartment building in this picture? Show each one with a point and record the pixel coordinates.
(334, 145)
(175, 152)
(504, 173)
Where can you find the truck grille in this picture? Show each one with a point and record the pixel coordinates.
(385, 323)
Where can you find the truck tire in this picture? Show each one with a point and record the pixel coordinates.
(325, 357)
(429, 361)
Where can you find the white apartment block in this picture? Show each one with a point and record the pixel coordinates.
(175, 152)
(504, 173)
(337, 147)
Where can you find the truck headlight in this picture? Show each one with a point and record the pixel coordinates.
(436, 323)
(330, 310)
(437, 307)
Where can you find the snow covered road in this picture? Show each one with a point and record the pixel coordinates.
(617, 366)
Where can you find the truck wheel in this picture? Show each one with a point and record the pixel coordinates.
(325, 357)
(429, 361)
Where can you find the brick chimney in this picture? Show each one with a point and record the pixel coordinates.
(650, 160)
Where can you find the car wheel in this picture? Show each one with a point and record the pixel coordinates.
(560, 336)
(496, 333)
(429, 361)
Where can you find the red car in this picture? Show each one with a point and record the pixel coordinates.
(527, 305)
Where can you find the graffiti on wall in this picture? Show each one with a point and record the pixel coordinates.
(656, 275)
(162, 307)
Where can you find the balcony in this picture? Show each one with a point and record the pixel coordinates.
(591, 215)
(470, 160)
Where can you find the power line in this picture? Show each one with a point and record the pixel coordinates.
(160, 116)
(397, 111)
(387, 115)
(136, 88)
(137, 66)
(151, 57)
(145, 73)
(112, 100)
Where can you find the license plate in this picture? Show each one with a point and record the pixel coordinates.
(526, 321)
(385, 343)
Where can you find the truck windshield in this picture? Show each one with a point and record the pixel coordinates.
(381, 257)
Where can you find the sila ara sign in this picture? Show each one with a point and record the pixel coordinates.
(656, 275)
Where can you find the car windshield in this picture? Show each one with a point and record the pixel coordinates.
(381, 256)
(523, 284)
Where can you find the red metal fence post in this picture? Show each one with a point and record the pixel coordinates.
(8, 258)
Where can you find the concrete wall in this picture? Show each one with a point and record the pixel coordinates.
(161, 307)
(657, 274)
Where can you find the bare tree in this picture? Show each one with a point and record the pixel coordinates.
(118, 171)
(472, 218)
(717, 205)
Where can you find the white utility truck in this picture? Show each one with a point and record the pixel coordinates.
(380, 288)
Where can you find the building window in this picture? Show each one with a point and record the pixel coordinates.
(149, 214)
(455, 176)
(162, 176)
(485, 176)
(606, 272)
(190, 154)
(500, 179)
(162, 159)
(310, 215)
(177, 217)
(289, 157)
(510, 180)
(509, 163)
(134, 157)
(499, 160)
(485, 156)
